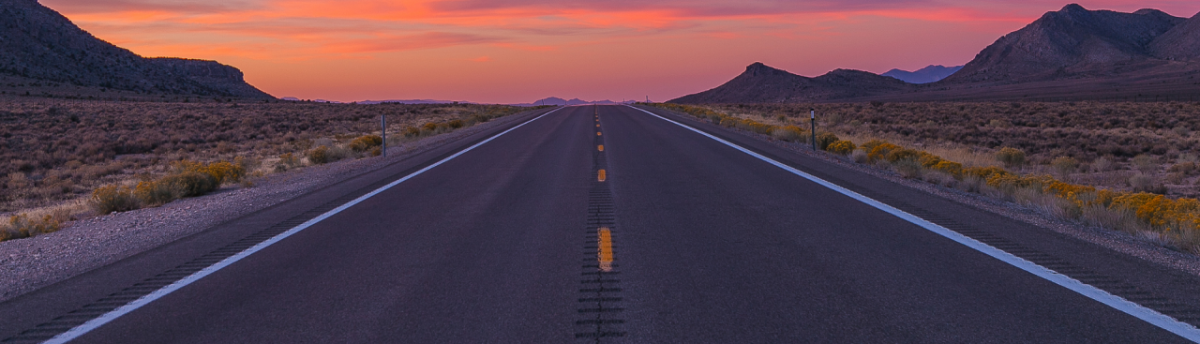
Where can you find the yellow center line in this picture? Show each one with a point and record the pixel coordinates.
(597, 133)
(602, 175)
(605, 254)
(597, 125)
(600, 147)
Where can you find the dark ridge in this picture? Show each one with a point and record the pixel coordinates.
(40, 44)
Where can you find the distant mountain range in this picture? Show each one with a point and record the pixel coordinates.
(1070, 54)
(545, 101)
(326, 101)
(413, 102)
(40, 45)
(573, 101)
(924, 75)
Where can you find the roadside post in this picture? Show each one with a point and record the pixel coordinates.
(812, 116)
(383, 133)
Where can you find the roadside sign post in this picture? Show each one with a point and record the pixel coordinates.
(812, 115)
(383, 133)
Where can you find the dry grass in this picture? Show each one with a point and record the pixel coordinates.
(42, 220)
(954, 152)
(1122, 191)
(55, 152)
(1107, 140)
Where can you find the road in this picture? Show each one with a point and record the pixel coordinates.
(683, 240)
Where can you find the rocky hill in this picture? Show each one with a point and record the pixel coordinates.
(763, 84)
(1181, 43)
(39, 44)
(1070, 54)
(1071, 42)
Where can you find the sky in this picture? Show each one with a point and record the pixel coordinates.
(515, 51)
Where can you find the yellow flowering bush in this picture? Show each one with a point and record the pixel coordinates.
(949, 167)
(896, 155)
(222, 171)
(983, 172)
(1161, 212)
(1158, 211)
(841, 147)
(879, 150)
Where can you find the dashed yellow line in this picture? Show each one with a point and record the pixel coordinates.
(600, 148)
(602, 175)
(597, 133)
(605, 254)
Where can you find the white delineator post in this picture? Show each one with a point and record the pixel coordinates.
(383, 133)
(812, 116)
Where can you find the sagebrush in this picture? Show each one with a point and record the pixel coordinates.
(1172, 220)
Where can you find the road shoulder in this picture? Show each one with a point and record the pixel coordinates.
(30, 264)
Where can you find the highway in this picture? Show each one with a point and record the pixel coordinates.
(608, 224)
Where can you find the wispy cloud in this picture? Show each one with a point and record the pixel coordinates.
(173, 6)
(390, 42)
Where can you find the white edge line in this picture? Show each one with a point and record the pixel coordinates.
(1148, 315)
(164, 291)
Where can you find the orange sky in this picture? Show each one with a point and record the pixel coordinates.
(511, 51)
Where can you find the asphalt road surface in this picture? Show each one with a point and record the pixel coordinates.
(681, 239)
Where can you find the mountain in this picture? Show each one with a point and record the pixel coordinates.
(558, 101)
(1065, 55)
(413, 101)
(1181, 43)
(573, 101)
(763, 84)
(924, 75)
(39, 44)
(1072, 42)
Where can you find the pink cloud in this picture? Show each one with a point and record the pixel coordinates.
(388, 42)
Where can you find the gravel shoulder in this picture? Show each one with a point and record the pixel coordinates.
(29, 264)
(1122, 242)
